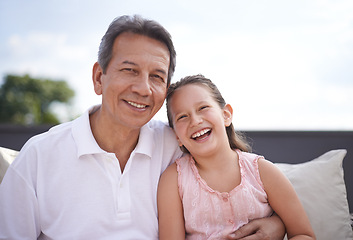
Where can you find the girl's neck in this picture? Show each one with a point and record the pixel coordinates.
(221, 173)
(216, 162)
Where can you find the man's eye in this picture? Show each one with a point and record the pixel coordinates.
(158, 77)
(128, 70)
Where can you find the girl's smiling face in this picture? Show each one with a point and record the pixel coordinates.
(198, 120)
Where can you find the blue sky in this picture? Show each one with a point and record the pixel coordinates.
(282, 65)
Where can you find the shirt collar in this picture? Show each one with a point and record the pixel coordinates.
(83, 136)
(146, 140)
(87, 144)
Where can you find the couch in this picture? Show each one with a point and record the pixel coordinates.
(317, 164)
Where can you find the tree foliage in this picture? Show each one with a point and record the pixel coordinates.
(25, 100)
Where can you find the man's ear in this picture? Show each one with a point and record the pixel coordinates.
(97, 73)
(227, 114)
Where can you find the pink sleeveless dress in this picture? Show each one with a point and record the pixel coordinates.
(210, 214)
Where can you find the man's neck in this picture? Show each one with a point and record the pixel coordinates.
(113, 138)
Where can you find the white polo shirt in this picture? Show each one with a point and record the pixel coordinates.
(63, 185)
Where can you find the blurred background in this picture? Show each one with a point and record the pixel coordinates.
(282, 65)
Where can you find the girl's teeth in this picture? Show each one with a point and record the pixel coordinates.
(198, 134)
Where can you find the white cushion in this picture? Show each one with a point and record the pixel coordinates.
(320, 186)
(6, 158)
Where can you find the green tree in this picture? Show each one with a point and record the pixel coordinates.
(25, 100)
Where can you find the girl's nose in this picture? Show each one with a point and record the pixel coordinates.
(196, 120)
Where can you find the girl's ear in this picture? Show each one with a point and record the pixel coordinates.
(227, 114)
(180, 144)
(97, 73)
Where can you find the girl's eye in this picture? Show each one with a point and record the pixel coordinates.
(203, 107)
(181, 117)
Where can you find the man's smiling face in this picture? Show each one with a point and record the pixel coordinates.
(134, 86)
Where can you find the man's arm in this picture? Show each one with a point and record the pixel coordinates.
(260, 229)
(18, 209)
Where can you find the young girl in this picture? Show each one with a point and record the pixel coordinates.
(218, 186)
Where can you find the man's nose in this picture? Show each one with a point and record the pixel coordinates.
(142, 85)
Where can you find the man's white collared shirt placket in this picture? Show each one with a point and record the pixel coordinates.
(64, 186)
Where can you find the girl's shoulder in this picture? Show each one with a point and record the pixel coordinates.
(264, 166)
(250, 160)
(248, 156)
(177, 166)
(186, 161)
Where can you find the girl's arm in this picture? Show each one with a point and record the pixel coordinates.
(285, 202)
(170, 208)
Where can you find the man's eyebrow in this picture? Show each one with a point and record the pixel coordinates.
(135, 64)
(128, 62)
(161, 71)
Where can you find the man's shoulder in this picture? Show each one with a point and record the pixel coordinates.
(55, 133)
(61, 131)
(154, 123)
(159, 127)
(161, 132)
(44, 143)
(162, 140)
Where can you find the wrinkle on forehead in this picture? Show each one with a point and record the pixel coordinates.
(148, 50)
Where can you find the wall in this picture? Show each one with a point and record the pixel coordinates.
(277, 146)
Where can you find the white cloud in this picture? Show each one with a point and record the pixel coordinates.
(44, 54)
